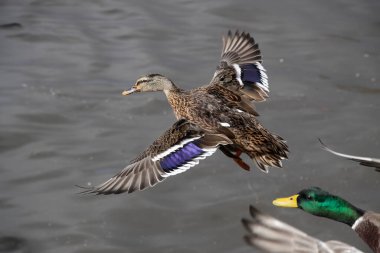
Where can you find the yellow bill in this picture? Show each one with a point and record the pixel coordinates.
(286, 202)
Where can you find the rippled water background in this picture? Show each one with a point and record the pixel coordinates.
(64, 121)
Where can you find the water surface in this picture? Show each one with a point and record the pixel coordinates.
(63, 122)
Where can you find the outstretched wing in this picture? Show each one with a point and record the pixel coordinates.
(275, 236)
(366, 161)
(181, 147)
(241, 68)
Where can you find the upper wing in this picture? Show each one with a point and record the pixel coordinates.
(178, 149)
(272, 235)
(366, 161)
(240, 67)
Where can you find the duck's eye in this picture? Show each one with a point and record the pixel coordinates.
(221, 78)
(309, 197)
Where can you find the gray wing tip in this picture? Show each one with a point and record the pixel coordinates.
(248, 239)
(324, 146)
(253, 235)
(132, 181)
(254, 211)
(97, 191)
(86, 190)
(365, 161)
(255, 215)
(240, 48)
(246, 223)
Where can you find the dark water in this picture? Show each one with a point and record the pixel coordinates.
(64, 63)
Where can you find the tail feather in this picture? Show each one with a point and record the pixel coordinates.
(271, 154)
(262, 165)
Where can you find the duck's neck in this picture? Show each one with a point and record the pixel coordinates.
(172, 89)
(176, 100)
(341, 210)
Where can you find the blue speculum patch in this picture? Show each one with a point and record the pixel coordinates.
(180, 157)
(250, 73)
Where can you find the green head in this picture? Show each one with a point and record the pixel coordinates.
(152, 82)
(318, 202)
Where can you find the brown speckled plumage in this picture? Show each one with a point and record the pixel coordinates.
(208, 109)
(216, 116)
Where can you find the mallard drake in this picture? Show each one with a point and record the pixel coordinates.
(219, 115)
(321, 203)
(365, 161)
(272, 235)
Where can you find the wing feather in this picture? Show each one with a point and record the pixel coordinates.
(272, 235)
(365, 161)
(178, 149)
(240, 67)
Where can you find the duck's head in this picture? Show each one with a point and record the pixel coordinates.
(152, 82)
(318, 202)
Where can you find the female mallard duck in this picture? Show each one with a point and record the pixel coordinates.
(272, 235)
(219, 115)
(321, 203)
(366, 161)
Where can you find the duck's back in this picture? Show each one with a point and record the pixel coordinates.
(212, 114)
(199, 107)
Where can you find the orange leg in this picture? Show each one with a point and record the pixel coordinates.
(240, 162)
(236, 157)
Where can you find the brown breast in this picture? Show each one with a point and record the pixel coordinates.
(369, 230)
